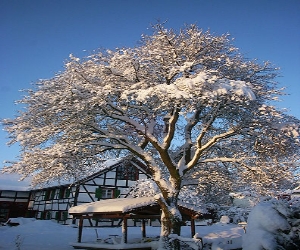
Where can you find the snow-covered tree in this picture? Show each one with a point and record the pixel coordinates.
(272, 224)
(179, 101)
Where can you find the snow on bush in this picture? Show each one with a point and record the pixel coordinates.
(271, 225)
(235, 214)
(225, 219)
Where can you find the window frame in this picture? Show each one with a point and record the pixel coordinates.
(127, 172)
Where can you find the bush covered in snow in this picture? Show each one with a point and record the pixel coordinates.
(272, 224)
(235, 214)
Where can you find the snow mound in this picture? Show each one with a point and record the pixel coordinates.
(18, 221)
(269, 227)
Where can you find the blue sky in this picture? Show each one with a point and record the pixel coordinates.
(36, 37)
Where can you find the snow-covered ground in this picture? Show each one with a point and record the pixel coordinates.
(272, 224)
(47, 235)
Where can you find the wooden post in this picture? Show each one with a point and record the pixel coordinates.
(193, 230)
(124, 230)
(143, 228)
(80, 229)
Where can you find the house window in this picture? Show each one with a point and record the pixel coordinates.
(61, 215)
(45, 215)
(64, 193)
(106, 193)
(127, 172)
(4, 213)
(49, 194)
(32, 196)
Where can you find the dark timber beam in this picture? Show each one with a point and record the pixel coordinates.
(80, 229)
(193, 230)
(143, 228)
(124, 230)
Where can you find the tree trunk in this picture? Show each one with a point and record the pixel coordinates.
(170, 224)
(176, 229)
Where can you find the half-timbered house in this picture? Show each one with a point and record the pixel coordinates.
(113, 180)
(13, 204)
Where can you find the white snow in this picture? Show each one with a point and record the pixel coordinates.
(113, 205)
(289, 128)
(225, 219)
(37, 234)
(49, 235)
(188, 88)
(265, 222)
(124, 205)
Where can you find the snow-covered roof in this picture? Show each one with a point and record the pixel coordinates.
(104, 166)
(121, 205)
(132, 205)
(96, 169)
